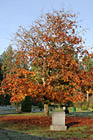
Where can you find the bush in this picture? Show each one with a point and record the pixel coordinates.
(84, 107)
(70, 104)
(40, 105)
(26, 104)
(80, 104)
(90, 105)
(2, 100)
(7, 100)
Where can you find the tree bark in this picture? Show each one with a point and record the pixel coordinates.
(59, 108)
(46, 110)
(87, 97)
(19, 108)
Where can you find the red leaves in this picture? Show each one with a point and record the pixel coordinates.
(52, 47)
(78, 121)
(18, 84)
(30, 120)
(46, 121)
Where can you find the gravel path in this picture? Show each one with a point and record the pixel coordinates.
(13, 135)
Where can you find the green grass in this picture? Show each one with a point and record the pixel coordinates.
(79, 109)
(73, 132)
(78, 112)
(25, 114)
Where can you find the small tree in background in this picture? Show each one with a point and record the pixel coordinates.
(87, 66)
(1, 74)
(26, 104)
(7, 61)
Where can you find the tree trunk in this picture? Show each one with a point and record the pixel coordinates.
(46, 110)
(18, 108)
(87, 97)
(59, 108)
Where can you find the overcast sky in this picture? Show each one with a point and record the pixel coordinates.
(15, 13)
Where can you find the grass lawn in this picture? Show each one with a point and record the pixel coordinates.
(37, 125)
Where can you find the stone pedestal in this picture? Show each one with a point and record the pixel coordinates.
(58, 121)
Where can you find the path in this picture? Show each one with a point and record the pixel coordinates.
(13, 135)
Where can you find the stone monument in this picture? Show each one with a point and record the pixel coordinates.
(58, 121)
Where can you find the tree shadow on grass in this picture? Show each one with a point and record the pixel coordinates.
(71, 124)
(14, 135)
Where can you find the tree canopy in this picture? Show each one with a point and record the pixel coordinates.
(51, 46)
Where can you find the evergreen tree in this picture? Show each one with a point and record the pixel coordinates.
(7, 58)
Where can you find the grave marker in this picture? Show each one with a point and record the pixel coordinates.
(58, 121)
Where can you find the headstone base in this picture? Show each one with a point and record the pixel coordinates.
(58, 127)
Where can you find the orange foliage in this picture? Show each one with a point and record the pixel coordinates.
(17, 84)
(50, 45)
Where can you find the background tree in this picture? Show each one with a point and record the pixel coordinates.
(7, 65)
(1, 78)
(87, 65)
(7, 58)
(1, 74)
(87, 62)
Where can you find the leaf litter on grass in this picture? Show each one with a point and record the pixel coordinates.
(78, 127)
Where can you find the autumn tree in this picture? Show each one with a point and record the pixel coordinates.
(6, 66)
(1, 78)
(52, 45)
(10, 67)
(87, 65)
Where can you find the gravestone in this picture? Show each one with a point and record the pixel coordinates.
(58, 121)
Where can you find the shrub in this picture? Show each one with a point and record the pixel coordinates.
(26, 104)
(40, 105)
(2, 100)
(7, 100)
(90, 105)
(78, 104)
(84, 107)
(70, 104)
